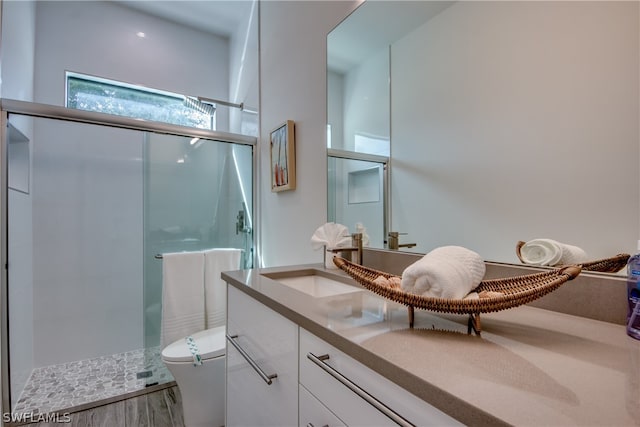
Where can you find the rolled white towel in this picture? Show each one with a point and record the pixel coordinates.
(573, 255)
(541, 252)
(551, 252)
(449, 272)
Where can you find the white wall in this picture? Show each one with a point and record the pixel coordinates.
(524, 124)
(293, 86)
(87, 230)
(99, 38)
(18, 50)
(243, 81)
(335, 100)
(367, 100)
(17, 68)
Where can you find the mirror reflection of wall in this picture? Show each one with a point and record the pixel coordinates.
(19, 166)
(358, 102)
(357, 196)
(359, 105)
(513, 121)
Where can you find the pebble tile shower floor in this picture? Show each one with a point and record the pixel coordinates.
(67, 385)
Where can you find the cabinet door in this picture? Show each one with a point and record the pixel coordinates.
(315, 414)
(268, 343)
(358, 395)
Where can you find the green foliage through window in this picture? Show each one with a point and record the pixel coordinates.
(111, 97)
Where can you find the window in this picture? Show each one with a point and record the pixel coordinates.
(112, 97)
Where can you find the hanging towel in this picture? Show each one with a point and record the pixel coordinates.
(446, 272)
(182, 295)
(215, 289)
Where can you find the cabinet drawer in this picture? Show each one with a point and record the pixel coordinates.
(260, 343)
(394, 404)
(315, 414)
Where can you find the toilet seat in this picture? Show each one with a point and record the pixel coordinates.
(210, 342)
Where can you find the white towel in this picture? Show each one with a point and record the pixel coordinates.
(215, 289)
(446, 272)
(331, 235)
(573, 255)
(182, 295)
(551, 252)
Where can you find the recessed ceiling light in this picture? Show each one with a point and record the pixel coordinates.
(141, 34)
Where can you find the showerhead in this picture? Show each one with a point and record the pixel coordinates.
(200, 106)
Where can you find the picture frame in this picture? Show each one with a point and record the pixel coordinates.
(283, 157)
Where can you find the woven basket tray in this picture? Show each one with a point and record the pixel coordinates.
(515, 291)
(605, 265)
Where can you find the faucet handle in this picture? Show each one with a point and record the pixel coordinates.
(396, 234)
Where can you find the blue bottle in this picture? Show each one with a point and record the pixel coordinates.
(633, 295)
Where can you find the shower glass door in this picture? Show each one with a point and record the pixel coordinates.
(197, 195)
(89, 207)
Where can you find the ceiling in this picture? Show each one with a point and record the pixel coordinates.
(221, 17)
(369, 29)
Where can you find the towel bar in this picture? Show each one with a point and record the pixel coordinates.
(159, 256)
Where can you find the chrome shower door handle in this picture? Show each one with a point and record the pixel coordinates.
(267, 378)
(394, 416)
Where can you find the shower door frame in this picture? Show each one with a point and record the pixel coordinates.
(384, 161)
(32, 109)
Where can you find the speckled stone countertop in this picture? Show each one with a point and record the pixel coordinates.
(530, 366)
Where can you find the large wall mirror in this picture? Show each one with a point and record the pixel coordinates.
(507, 121)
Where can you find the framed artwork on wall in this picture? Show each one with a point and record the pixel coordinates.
(283, 157)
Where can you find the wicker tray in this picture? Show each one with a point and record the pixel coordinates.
(605, 265)
(515, 291)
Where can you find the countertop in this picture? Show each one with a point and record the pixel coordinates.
(529, 366)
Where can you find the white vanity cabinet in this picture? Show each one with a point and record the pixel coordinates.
(279, 374)
(315, 414)
(262, 364)
(357, 395)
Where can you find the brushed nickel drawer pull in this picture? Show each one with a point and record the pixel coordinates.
(267, 378)
(394, 416)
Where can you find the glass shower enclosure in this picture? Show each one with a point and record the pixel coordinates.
(358, 192)
(90, 204)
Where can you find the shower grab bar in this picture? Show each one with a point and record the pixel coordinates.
(47, 111)
(159, 256)
(266, 378)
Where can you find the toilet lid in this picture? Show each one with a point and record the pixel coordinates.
(210, 343)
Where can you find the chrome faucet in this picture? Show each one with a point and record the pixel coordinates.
(356, 247)
(394, 241)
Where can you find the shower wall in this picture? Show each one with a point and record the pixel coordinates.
(16, 82)
(20, 214)
(87, 241)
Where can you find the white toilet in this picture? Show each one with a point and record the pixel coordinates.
(202, 387)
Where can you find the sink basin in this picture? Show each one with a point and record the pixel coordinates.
(317, 286)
